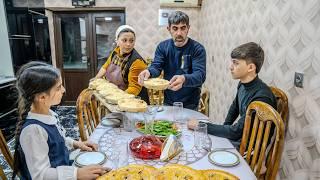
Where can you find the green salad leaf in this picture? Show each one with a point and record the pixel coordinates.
(160, 128)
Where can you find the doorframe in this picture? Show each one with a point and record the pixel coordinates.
(89, 14)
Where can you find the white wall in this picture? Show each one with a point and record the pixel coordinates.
(289, 32)
(6, 68)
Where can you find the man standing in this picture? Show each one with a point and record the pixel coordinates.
(183, 61)
(246, 62)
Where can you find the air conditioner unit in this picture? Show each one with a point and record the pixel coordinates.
(180, 3)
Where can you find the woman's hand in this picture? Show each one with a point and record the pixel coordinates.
(85, 146)
(91, 172)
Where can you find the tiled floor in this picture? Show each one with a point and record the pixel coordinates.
(68, 120)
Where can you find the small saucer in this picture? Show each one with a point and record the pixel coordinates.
(90, 158)
(223, 158)
(110, 122)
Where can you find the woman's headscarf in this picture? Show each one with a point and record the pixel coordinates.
(123, 27)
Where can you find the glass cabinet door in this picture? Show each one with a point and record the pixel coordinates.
(74, 43)
(105, 29)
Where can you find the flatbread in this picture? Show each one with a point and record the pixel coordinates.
(217, 175)
(132, 105)
(95, 83)
(156, 84)
(177, 171)
(116, 96)
(133, 172)
(109, 91)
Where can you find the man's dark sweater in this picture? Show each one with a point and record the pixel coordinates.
(256, 90)
(190, 61)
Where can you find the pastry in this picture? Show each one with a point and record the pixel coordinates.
(133, 171)
(177, 171)
(132, 105)
(217, 175)
(156, 83)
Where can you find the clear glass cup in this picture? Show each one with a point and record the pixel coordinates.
(120, 153)
(178, 112)
(128, 121)
(201, 135)
(149, 116)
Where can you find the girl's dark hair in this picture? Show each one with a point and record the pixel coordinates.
(32, 78)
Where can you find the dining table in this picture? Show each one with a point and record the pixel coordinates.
(192, 155)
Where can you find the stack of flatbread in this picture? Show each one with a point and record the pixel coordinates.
(109, 91)
(173, 171)
(156, 84)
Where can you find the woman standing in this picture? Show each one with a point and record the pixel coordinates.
(124, 64)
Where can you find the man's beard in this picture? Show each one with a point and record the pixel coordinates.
(179, 39)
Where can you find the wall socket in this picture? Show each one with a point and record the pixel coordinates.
(298, 79)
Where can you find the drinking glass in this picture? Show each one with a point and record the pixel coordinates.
(120, 153)
(178, 112)
(201, 135)
(128, 121)
(149, 116)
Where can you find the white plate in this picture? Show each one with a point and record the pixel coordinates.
(223, 158)
(112, 122)
(90, 158)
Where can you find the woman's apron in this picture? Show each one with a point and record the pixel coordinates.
(114, 74)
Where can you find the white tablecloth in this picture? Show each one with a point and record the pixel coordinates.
(242, 170)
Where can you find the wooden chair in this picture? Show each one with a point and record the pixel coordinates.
(204, 102)
(87, 113)
(255, 138)
(6, 153)
(282, 104)
(2, 174)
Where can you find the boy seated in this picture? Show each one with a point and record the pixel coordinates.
(246, 62)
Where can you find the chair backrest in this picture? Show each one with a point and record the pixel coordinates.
(2, 174)
(282, 104)
(204, 102)
(87, 113)
(255, 138)
(5, 150)
(6, 153)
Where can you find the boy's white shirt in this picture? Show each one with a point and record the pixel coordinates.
(33, 140)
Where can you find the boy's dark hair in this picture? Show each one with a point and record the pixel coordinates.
(178, 17)
(32, 78)
(250, 52)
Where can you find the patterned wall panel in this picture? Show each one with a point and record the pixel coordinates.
(289, 32)
(143, 16)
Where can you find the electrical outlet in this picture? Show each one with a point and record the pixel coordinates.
(298, 79)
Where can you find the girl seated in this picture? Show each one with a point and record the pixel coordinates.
(42, 150)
